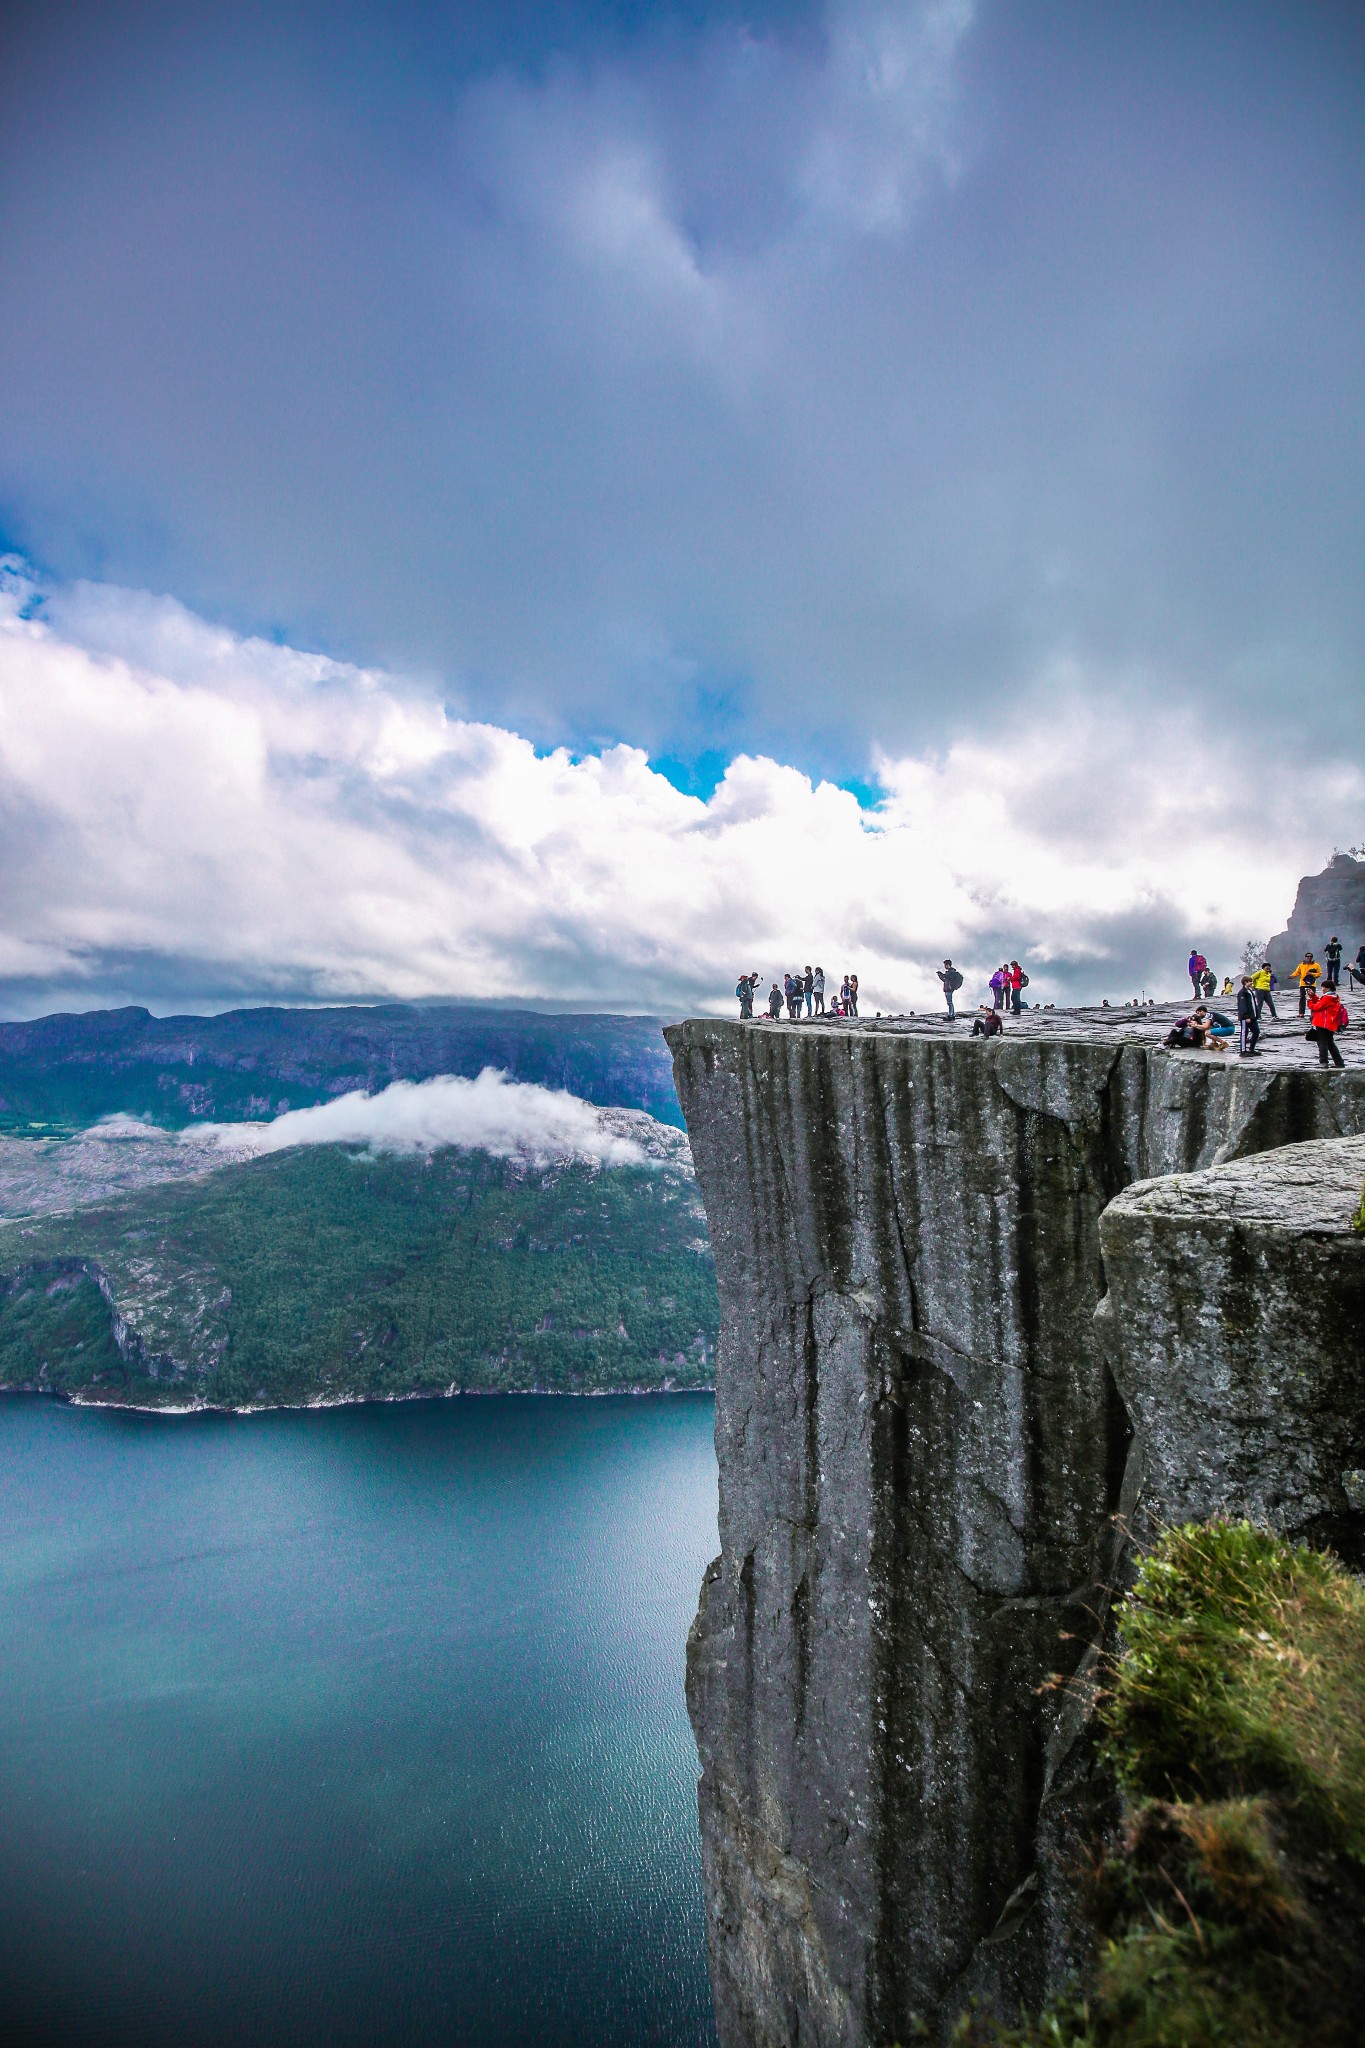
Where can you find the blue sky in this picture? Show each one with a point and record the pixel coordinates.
(815, 383)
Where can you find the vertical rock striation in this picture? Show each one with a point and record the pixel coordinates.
(921, 1446)
(1235, 1321)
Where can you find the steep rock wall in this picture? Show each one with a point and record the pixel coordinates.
(921, 1447)
(1235, 1323)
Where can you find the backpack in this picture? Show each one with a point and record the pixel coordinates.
(1023, 979)
(952, 979)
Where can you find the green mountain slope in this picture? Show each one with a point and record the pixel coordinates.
(327, 1273)
(72, 1070)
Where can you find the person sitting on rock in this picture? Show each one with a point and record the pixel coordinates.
(1195, 1032)
(987, 1023)
(1328, 1016)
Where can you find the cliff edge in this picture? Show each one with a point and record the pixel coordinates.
(922, 1446)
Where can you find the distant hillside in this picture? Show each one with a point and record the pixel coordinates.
(325, 1273)
(73, 1069)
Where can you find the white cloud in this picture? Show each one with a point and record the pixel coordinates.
(510, 1119)
(188, 812)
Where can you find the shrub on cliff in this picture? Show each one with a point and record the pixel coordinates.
(1231, 1910)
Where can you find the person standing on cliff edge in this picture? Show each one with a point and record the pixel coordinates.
(1327, 1016)
(1307, 974)
(1195, 970)
(1332, 960)
(952, 981)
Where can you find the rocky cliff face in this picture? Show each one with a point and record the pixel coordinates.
(1327, 904)
(1235, 1323)
(921, 1444)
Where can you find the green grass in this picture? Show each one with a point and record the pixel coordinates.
(1229, 1913)
(328, 1273)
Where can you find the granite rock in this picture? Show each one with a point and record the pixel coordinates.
(1235, 1326)
(923, 1451)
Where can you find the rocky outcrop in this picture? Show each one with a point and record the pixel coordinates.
(1235, 1323)
(1328, 904)
(922, 1446)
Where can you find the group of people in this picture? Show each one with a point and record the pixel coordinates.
(800, 994)
(1209, 1030)
(1007, 985)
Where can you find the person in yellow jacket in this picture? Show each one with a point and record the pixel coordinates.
(1263, 991)
(1307, 974)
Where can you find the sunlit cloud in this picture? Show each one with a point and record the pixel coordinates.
(188, 813)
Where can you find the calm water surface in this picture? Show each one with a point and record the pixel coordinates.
(364, 1725)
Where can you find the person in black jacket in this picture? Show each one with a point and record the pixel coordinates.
(952, 982)
(1331, 960)
(1248, 1023)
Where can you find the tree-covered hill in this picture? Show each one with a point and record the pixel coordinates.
(74, 1069)
(329, 1273)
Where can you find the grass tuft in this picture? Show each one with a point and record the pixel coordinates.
(1229, 1912)
(1243, 1669)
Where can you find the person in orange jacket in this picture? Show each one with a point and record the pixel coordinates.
(1307, 972)
(1329, 1016)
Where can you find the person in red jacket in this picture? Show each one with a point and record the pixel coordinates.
(1328, 1017)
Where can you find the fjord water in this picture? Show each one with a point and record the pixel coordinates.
(363, 1725)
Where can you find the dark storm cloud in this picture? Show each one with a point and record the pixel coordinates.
(812, 380)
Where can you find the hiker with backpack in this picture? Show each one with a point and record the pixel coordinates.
(952, 981)
(997, 987)
(744, 989)
(1018, 983)
(1307, 974)
(1195, 970)
(1332, 959)
(1328, 1016)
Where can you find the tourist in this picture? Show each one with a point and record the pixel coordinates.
(1307, 974)
(952, 981)
(744, 989)
(1195, 1032)
(853, 995)
(1196, 972)
(774, 1002)
(1017, 983)
(1248, 1021)
(1227, 989)
(997, 987)
(1208, 982)
(817, 985)
(1332, 959)
(987, 1023)
(1328, 1017)
(1356, 969)
(1263, 988)
(843, 997)
(808, 989)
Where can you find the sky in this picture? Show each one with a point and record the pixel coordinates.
(571, 502)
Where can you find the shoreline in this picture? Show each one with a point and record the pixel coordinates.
(188, 1408)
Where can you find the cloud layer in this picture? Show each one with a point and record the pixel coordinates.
(789, 380)
(510, 1119)
(186, 816)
